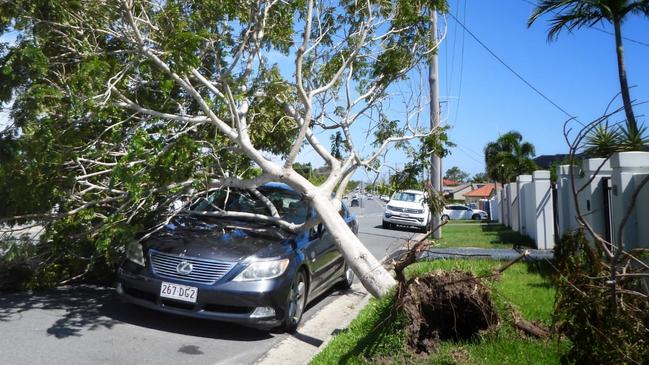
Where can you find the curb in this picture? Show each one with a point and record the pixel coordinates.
(314, 335)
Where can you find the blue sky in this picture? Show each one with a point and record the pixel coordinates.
(578, 72)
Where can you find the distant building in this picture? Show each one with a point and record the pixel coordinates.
(458, 192)
(486, 191)
(450, 183)
(544, 161)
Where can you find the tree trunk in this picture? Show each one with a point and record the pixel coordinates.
(624, 86)
(374, 277)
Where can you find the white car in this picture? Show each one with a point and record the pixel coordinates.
(407, 208)
(457, 211)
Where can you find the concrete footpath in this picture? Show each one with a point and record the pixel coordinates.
(314, 335)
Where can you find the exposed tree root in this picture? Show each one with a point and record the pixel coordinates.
(445, 305)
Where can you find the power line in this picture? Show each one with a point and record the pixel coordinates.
(459, 91)
(511, 69)
(469, 155)
(599, 29)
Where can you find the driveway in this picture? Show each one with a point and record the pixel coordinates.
(89, 325)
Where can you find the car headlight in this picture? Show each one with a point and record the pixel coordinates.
(135, 253)
(262, 270)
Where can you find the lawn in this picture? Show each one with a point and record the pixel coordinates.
(482, 235)
(524, 287)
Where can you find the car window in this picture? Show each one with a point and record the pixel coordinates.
(407, 197)
(344, 212)
(290, 205)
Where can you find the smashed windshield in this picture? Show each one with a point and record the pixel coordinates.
(408, 197)
(290, 205)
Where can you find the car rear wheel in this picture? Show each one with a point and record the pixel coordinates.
(445, 218)
(296, 302)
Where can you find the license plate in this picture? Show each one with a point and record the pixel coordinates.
(179, 292)
(405, 215)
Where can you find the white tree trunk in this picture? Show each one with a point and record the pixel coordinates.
(374, 277)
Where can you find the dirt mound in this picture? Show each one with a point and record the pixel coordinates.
(446, 305)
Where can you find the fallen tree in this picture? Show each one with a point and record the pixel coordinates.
(128, 106)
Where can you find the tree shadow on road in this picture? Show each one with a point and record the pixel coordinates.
(78, 309)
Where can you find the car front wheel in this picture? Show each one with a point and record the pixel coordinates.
(386, 225)
(476, 217)
(348, 278)
(296, 302)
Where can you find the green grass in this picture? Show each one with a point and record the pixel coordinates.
(472, 234)
(524, 286)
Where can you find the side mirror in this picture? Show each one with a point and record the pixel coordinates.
(316, 231)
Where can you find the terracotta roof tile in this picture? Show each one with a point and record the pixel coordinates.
(483, 192)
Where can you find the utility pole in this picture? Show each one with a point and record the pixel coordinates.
(436, 161)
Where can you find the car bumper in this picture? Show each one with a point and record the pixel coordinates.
(413, 221)
(228, 301)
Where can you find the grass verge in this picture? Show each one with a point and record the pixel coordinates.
(371, 338)
(481, 235)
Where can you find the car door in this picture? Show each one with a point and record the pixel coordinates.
(314, 252)
(454, 212)
(465, 212)
(327, 261)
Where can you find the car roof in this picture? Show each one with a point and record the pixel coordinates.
(411, 191)
(277, 185)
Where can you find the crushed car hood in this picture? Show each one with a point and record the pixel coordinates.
(225, 244)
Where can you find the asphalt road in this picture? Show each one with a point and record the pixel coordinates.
(89, 325)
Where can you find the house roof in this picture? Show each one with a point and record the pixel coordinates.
(455, 189)
(481, 192)
(449, 182)
(544, 161)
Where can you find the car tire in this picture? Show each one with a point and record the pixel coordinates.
(445, 218)
(295, 302)
(386, 225)
(476, 217)
(348, 278)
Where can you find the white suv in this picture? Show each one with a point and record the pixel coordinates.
(457, 211)
(407, 208)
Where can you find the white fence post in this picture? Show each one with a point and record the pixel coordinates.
(506, 205)
(565, 201)
(541, 220)
(592, 199)
(499, 199)
(521, 205)
(628, 169)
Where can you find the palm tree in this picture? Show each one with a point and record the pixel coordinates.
(574, 14)
(509, 157)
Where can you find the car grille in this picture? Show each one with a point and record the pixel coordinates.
(405, 210)
(204, 271)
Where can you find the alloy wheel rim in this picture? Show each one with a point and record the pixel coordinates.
(296, 303)
(349, 275)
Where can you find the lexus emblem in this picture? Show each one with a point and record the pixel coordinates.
(185, 268)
